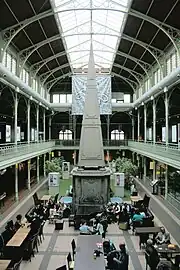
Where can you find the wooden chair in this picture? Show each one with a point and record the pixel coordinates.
(36, 199)
(70, 262)
(71, 220)
(73, 245)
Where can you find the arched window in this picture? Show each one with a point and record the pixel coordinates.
(65, 135)
(117, 135)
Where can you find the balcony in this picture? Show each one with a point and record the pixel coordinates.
(11, 154)
(168, 154)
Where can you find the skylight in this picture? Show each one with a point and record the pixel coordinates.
(81, 21)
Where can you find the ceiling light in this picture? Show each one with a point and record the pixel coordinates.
(152, 97)
(142, 103)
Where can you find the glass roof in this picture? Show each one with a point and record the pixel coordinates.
(81, 21)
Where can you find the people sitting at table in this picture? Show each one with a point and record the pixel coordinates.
(18, 222)
(164, 263)
(116, 211)
(34, 227)
(100, 229)
(124, 218)
(84, 229)
(151, 254)
(137, 217)
(127, 207)
(118, 259)
(163, 237)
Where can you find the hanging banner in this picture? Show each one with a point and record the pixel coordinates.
(8, 133)
(32, 134)
(163, 134)
(18, 134)
(174, 134)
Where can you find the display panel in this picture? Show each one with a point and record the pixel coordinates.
(8, 133)
(79, 84)
(174, 133)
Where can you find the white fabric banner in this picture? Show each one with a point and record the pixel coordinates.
(18, 134)
(174, 134)
(8, 133)
(79, 90)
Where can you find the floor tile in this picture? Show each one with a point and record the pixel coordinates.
(48, 228)
(44, 245)
(142, 261)
(56, 261)
(34, 264)
(63, 243)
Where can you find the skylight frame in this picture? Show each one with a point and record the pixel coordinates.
(110, 22)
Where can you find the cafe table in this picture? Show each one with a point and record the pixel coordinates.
(4, 264)
(84, 258)
(135, 199)
(144, 232)
(19, 237)
(46, 198)
(163, 249)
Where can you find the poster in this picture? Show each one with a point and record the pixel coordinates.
(53, 179)
(119, 179)
(150, 134)
(163, 134)
(174, 134)
(8, 133)
(18, 134)
(22, 135)
(35, 135)
(32, 134)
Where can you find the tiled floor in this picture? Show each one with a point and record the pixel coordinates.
(57, 244)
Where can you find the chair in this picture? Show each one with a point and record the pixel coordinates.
(71, 220)
(147, 257)
(41, 233)
(62, 268)
(36, 199)
(146, 201)
(73, 245)
(51, 216)
(56, 198)
(17, 265)
(66, 212)
(136, 224)
(70, 262)
(29, 250)
(1, 244)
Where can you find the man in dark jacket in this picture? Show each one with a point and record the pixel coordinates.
(151, 255)
(118, 259)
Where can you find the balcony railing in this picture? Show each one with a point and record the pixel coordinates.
(106, 143)
(11, 150)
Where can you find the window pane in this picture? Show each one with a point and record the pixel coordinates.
(9, 58)
(127, 98)
(62, 98)
(113, 100)
(14, 63)
(69, 98)
(55, 98)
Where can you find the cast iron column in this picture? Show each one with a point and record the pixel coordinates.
(133, 128)
(37, 169)
(145, 123)
(37, 122)
(15, 117)
(50, 122)
(166, 182)
(16, 183)
(28, 121)
(154, 121)
(44, 125)
(138, 125)
(167, 116)
(29, 175)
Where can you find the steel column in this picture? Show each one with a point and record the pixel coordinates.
(28, 121)
(44, 166)
(166, 182)
(44, 125)
(154, 121)
(37, 169)
(167, 115)
(29, 175)
(138, 125)
(145, 168)
(133, 128)
(50, 121)
(37, 122)
(16, 183)
(145, 123)
(15, 117)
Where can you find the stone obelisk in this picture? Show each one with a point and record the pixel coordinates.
(91, 179)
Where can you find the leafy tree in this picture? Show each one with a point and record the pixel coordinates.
(55, 165)
(125, 165)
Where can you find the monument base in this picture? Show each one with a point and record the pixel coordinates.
(91, 190)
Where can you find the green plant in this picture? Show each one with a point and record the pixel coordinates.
(55, 165)
(125, 165)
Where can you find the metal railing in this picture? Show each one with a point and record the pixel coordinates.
(171, 151)
(106, 143)
(8, 150)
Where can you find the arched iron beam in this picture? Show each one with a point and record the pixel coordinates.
(53, 82)
(48, 74)
(128, 81)
(135, 75)
(44, 75)
(134, 60)
(140, 43)
(46, 14)
(37, 66)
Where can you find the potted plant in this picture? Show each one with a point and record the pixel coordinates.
(55, 165)
(125, 165)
